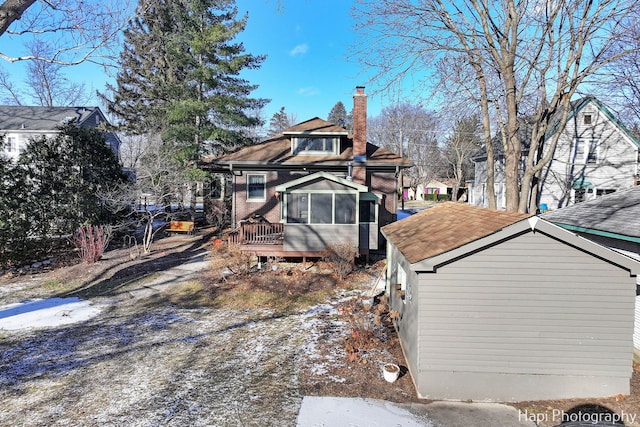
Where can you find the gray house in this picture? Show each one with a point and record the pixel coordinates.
(503, 306)
(595, 155)
(20, 124)
(613, 221)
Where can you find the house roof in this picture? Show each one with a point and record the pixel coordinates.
(614, 215)
(451, 231)
(34, 118)
(575, 107)
(445, 227)
(321, 176)
(276, 151)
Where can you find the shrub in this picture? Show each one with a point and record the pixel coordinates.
(91, 241)
(343, 257)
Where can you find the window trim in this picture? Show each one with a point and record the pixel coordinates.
(264, 188)
(309, 193)
(583, 151)
(296, 151)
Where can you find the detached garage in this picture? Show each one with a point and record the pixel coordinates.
(502, 306)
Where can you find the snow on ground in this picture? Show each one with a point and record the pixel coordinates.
(140, 364)
(354, 412)
(46, 313)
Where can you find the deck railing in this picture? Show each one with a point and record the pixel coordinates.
(258, 234)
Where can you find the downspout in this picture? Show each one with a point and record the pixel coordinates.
(233, 198)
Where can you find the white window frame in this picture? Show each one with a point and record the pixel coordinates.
(264, 187)
(584, 148)
(333, 194)
(296, 144)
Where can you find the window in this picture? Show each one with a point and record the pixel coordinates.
(345, 208)
(315, 145)
(587, 151)
(256, 187)
(297, 208)
(586, 119)
(367, 211)
(10, 144)
(320, 208)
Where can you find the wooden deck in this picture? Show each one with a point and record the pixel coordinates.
(265, 239)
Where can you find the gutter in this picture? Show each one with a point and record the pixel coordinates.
(599, 233)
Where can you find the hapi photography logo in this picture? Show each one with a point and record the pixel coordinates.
(588, 415)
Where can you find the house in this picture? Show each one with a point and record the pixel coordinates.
(311, 186)
(21, 124)
(503, 306)
(612, 220)
(595, 155)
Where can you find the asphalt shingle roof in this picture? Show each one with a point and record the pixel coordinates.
(445, 227)
(277, 150)
(617, 213)
(36, 118)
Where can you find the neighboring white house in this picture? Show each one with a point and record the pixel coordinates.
(20, 124)
(595, 155)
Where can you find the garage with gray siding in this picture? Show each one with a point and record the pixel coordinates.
(501, 306)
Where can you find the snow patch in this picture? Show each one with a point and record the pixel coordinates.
(46, 313)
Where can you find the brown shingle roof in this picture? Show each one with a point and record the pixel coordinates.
(316, 125)
(277, 150)
(445, 227)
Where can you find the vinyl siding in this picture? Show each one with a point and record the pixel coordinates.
(529, 307)
(613, 171)
(316, 237)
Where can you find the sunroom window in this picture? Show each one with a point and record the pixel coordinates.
(320, 208)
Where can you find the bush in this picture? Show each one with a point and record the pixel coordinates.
(91, 241)
(343, 257)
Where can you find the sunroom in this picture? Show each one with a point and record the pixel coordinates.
(322, 209)
(316, 211)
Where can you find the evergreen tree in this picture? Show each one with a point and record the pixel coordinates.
(279, 122)
(61, 178)
(338, 114)
(179, 76)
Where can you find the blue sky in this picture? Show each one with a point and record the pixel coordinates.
(307, 69)
(307, 44)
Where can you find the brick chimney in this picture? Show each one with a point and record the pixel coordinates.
(360, 136)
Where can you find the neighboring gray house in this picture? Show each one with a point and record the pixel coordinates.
(613, 221)
(502, 306)
(20, 124)
(595, 155)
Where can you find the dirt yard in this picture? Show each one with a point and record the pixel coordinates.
(227, 345)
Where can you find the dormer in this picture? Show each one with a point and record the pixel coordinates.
(315, 137)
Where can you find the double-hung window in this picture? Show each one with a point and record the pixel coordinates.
(256, 187)
(587, 151)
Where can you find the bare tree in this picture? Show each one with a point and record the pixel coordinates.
(409, 131)
(9, 93)
(459, 147)
(47, 83)
(81, 31)
(541, 52)
(160, 182)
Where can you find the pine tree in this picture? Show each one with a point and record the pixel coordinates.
(338, 114)
(180, 76)
(279, 122)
